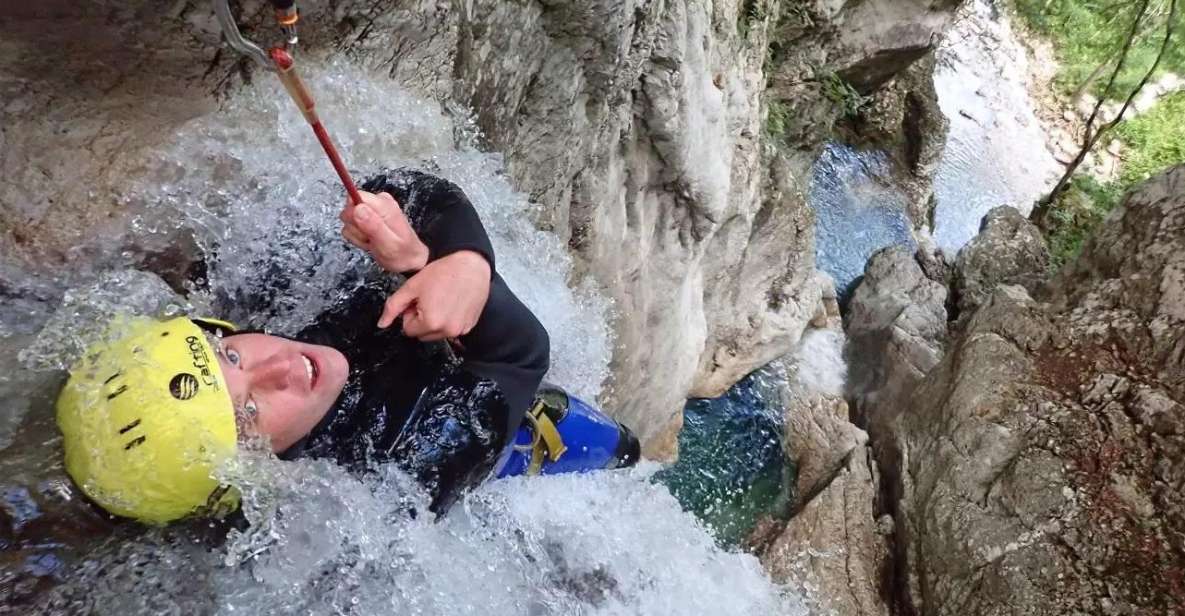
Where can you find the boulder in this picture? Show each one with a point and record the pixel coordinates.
(834, 549)
(1008, 250)
(897, 325)
(819, 436)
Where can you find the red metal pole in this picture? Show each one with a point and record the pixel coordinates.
(286, 68)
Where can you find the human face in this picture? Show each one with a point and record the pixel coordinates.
(285, 387)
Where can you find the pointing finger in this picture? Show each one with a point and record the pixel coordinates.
(397, 304)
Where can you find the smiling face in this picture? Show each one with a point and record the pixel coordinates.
(284, 386)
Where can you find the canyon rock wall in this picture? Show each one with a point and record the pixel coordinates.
(1038, 466)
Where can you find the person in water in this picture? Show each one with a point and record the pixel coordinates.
(436, 375)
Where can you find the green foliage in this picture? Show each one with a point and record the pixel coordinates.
(841, 93)
(777, 118)
(1088, 38)
(797, 16)
(1155, 140)
(1077, 213)
(1089, 34)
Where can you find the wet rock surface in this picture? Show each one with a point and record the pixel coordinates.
(830, 546)
(897, 326)
(834, 547)
(819, 437)
(837, 543)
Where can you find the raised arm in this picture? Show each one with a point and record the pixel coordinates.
(501, 340)
(438, 212)
(424, 227)
(510, 347)
(461, 423)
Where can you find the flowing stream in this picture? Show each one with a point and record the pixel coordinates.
(251, 187)
(858, 211)
(996, 151)
(995, 154)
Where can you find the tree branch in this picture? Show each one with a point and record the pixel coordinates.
(1090, 136)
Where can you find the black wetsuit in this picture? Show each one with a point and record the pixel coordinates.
(445, 416)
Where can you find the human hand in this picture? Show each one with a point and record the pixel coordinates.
(443, 300)
(378, 226)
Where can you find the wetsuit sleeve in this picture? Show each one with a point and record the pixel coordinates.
(510, 347)
(438, 211)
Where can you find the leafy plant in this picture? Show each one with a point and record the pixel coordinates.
(752, 11)
(1154, 140)
(1087, 36)
(840, 92)
(1078, 212)
(798, 16)
(777, 118)
(1139, 17)
(1109, 48)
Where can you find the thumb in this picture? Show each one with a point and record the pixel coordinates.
(375, 227)
(398, 303)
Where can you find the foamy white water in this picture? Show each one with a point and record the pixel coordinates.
(254, 187)
(819, 363)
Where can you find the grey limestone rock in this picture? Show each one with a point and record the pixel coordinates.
(1040, 464)
(1008, 250)
(897, 326)
(819, 435)
(833, 548)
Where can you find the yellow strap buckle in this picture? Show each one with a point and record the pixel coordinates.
(547, 442)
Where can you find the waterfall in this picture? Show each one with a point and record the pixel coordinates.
(254, 190)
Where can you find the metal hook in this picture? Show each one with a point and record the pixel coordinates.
(235, 39)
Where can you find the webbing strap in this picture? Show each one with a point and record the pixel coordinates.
(547, 442)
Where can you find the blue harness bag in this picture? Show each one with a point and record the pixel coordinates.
(564, 434)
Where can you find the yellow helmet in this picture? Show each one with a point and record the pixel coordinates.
(147, 418)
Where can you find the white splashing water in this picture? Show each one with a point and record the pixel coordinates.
(609, 543)
(819, 363)
(256, 189)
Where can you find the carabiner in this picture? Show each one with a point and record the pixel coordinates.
(279, 60)
(235, 39)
